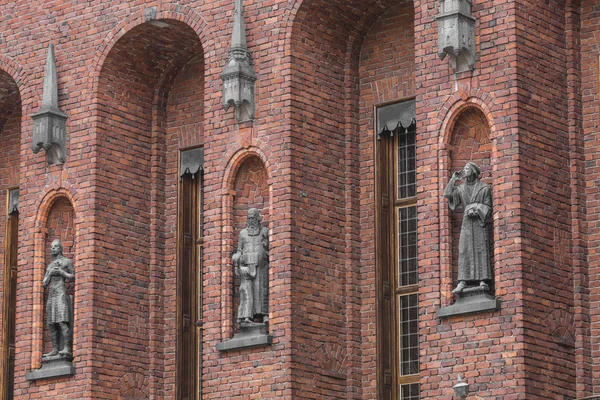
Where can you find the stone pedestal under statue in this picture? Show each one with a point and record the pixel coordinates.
(52, 367)
(59, 317)
(251, 334)
(251, 264)
(471, 300)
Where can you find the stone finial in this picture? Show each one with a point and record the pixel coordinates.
(461, 389)
(49, 123)
(239, 76)
(456, 34)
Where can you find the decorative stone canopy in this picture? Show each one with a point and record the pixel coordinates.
(456, 34)
(239, 76)
(396, 115)
(49, 123)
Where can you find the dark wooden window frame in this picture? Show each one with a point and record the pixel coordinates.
(190, 243)
(389, 288)
(10, 294)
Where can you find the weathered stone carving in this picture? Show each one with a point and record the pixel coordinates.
(474, 262)
(251, 263)
(58, 307)
(239, 76)
(456, 34)
(49, 123)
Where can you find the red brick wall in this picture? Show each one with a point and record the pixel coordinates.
(322, 65)
(590, 73)
(545, 195)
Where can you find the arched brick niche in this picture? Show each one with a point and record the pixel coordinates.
(470, 141)
(60, 224)
(251, 190)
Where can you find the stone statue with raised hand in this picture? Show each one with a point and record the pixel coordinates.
(474, 261)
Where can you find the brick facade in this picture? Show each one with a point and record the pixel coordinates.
(137, 92)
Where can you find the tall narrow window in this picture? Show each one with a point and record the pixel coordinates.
(189, 276)
(398, 308)
(10, 296)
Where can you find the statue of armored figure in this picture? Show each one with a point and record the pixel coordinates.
(58, 306)
(251, 263)
(474, 261)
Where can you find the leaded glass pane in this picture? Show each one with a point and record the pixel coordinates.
(407, 165)
(409, 334)
(410, 391)
(407, 252)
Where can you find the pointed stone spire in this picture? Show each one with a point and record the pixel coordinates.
(238, 36)
(239, 76)
(49, 123)
(50, 93)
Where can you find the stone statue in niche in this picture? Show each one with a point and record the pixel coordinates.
(58, 307)
(474, 261)
(251, 263)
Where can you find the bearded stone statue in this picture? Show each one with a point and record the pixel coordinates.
(251, 263)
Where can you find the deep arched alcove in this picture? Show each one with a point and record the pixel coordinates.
(150, 106)
(10, 137)
(348, 58)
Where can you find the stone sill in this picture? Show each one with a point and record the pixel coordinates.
(470, 305)
(244, 342)
(52, 369)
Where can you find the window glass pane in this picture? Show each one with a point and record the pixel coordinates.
(409, 334)
(406, 163)
(407, 243)
(409, 392)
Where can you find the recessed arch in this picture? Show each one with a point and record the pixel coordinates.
(150, 106)
(10, 160)
(338, 77)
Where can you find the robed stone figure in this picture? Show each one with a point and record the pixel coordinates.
(251, 262)
(474, 261)
(58, 306)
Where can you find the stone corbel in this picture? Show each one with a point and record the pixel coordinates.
(456, 34)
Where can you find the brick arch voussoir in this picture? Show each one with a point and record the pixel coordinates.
(49, 196)
(460, 101)
(15, 71)
(236, 159)
(575, 4)
(174, 11)
(292, 15)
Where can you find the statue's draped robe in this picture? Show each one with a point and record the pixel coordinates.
(253, 249)
(474, 247)
(246, 308)
(58, 307)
